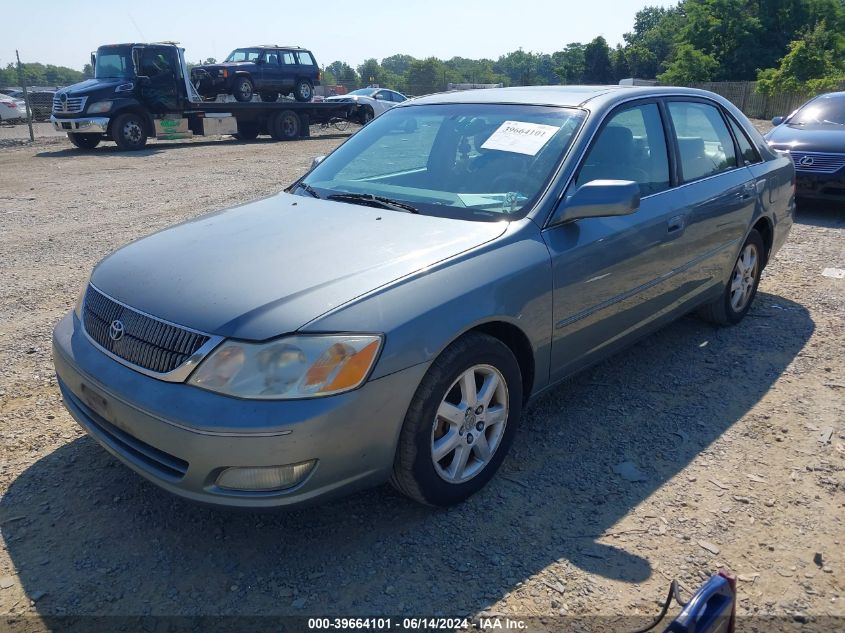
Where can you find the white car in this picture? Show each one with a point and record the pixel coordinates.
(11, 109)
(371, 101)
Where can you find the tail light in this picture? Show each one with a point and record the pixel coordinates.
(9, 104)
(319, 75)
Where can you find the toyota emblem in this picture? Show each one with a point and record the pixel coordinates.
(116, 330)
(806, 161)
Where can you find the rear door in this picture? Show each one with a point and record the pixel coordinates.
(720, 192)
(288, 71)
(612, 276)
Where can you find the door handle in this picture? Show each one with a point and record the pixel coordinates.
(748, 190)
(676, 224)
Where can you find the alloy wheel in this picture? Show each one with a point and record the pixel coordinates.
(469, 424)
(744, 277)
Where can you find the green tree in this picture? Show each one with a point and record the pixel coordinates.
(621, 68)
(689, 66)
(397, 64)
(425, 76)
(598, 68)
(814, 63)
(371, 72)
(344, 74)
(568, 64)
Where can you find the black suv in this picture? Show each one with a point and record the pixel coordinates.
(263, 70)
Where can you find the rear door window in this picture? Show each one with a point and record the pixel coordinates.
(288, 58)
(631, 146)
(747, 151)
(704, 144)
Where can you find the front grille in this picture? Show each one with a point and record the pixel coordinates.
(144, 341)
(818, 162)
(163, 464)
(71, 105)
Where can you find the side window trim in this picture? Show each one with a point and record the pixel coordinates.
(672, 149)
(733, 126)
(718, 107)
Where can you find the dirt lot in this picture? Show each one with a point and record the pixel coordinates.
(739, 435)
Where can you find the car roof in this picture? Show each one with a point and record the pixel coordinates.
(293, 48)
(570, 96)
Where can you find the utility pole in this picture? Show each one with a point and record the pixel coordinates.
(22, 79)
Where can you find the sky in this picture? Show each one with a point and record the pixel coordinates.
(64, 32)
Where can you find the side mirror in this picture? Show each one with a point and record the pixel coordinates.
(599, 198)
(777, 120)
(316, 161)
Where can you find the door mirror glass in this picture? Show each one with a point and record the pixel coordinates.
(600, 198)
(777, 121)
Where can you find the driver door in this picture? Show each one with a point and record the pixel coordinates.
(160, 64)
(613, 275)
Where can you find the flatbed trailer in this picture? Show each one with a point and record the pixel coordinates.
(143, 91)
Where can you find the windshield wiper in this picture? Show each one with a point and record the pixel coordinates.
(308, 189)
(368, 198)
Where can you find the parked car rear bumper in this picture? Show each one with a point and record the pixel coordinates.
(81, 125)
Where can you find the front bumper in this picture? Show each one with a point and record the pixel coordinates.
(820, 186)
(81, 125)
(181, 437)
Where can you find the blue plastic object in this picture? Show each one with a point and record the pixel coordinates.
(710, 610)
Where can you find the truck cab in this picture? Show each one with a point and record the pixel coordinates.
(135, 84)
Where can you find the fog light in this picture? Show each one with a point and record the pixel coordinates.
(265, 478)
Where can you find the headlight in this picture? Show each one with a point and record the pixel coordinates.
(292, 367)
(99, 106)
(77, 308)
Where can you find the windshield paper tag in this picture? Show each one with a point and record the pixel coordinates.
(520, 137)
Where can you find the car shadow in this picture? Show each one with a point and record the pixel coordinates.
(819, 213)
(156, 147)
(99, 539)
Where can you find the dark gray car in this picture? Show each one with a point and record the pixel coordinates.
(388, 317)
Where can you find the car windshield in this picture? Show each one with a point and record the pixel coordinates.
(244, 55)
(364, 92)
(826, 110)
(469, 161)
(114, 63)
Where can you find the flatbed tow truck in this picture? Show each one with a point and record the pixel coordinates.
(142, 91)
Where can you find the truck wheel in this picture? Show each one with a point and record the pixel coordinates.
(242, 89)
(247, 131)
(85, 141)
(129, 131)
(303, 91)
(269, 97)
(285, 126)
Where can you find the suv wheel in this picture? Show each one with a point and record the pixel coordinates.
(242, 89)
(129, 131)
(303, 91)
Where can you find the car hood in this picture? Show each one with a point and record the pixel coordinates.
(269, 267)
(220, 65)
(817, 138)
(90, 86)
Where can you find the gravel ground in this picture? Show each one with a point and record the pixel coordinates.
(738, 437)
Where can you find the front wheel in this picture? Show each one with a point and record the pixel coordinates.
(461, 422)
(739, 293)
(85, 141)
(242, 89)
(129, 131)
(366, 115)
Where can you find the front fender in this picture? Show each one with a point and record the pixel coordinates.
(508, 280)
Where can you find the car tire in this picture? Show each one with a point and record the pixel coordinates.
(741, 288)
(367, 114)
(285, 126)
(247, 131)
(269, 97)
(243, 89)
(303, 91)
(129, 131)
(442, 409)
(85, 141)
